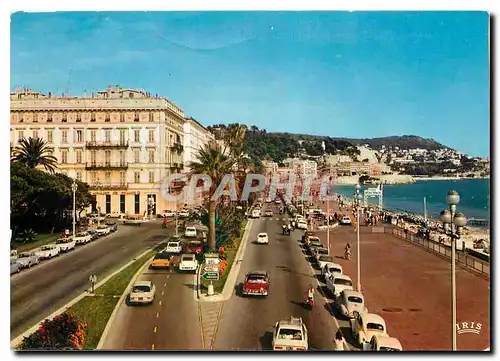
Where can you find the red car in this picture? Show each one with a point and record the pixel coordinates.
(194, 247)
(256, 284)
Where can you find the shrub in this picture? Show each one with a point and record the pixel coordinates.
(64, 331)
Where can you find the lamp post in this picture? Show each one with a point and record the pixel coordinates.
(357, 199)
(74, 187)
(453, 224)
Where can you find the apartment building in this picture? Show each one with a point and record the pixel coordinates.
(195, 137)
(122, 142)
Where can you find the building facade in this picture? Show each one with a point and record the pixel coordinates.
(122, 142)
(195, 137)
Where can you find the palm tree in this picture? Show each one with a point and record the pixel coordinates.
(33, 152)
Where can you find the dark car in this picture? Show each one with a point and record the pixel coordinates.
(93, 233)
(112, 226)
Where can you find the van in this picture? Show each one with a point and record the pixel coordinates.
(190, 232)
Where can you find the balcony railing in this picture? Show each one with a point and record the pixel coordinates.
(107, 144)
(108, 186)
(177, 147)
(106, 165)
(176, 166)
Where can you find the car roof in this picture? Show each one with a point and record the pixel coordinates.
(349, 293)
(190, 255)
(142, 283)
(373, 318)
(293, 323)
(344, 277)
(334, 265)
(322, 248)
(322, 258)
(262, 234)
(388, 341)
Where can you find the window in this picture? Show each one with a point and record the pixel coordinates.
(21, 117)
(122, 157)
(64, 156)
(136, 156)
(94, 177)
(64, 136)
(122, 178)
(35, 134)
(151, 177)
(123, 136)
(78, 156)
(21, 135)
(107, 155)
(64, 117)
(151, 117)
(122, 203)
(49, 117)
(151, 156)
(131, 95)
(107, 177)
(137, 177)
(50, 135)
(35, 117)
(92, 118)
(108, 203)
(107, 135)
(136, 117)
(79, 136)
(79, 176)
(137, 135)
(151, 136)
(78, 117)
(108, 117)
(92, 135)
(137, 203)
(122, 117)
(93, 156)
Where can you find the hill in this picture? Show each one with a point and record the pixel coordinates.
(403, 142)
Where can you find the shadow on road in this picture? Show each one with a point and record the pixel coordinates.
(301, 305)
(191, 286)
(266, 341)
(287, 269)
(346, 331)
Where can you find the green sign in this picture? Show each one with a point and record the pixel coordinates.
(210, 275)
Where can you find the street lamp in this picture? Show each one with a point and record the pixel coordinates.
(357, 199)
(453, 224)
(74, 187)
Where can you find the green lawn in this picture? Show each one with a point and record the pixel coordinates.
(41, 240)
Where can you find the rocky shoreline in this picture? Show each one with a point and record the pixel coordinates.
(385, 179)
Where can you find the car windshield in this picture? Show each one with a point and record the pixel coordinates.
(316, 243)
(162, 256)
(196, 244)
(173, 244)
(102, 227)
(188, 258)
(326, 258)
(374, 326)
(63, 240)
(383, 348)
(46, 248)
(340, 281)
(290, 334)
(141, 288)
(262, 235)
(191, 229)
(23, 255)
(335, 270)
(81, 234)
(355, 299)
(322, 251)
(256, 279)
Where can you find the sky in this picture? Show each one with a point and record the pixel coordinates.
(339, 74)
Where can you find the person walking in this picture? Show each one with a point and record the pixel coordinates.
(339, 341)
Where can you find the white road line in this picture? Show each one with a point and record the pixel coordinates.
(168, 277)
(159, 303)
(162, 293)
(155, 330)
(164, 285)
(157, 314)
(152, 346)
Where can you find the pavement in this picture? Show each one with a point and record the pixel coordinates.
(37, 292)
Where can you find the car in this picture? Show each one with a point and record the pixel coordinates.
(268, 213)
(115, 215)
(268, 200)
(256, 213)
(345, 220)
(320, 251)
(103, 230)
(13, 252)
(184, 213)
(336, 284)
(174, 247)
(163, 260)
(383, 343)
(323, 260)
(367, 325)
(82, 238)
(15, 267)
(302, 224)
(142, 292)
(96, 217)
(290, 335)
(27, 259)
(113, 227)
(350, 303)
(168, 214)
(256, 284)
(314, 242)
(194, 247)
(93, 234)
(277, 201)
(331, 268)
(310, 238)
(188, 262)
(48, 251)
(262, 238)
(133, 222)
(65, 244)
(190, 232)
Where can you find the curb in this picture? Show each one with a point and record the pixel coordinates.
(119, 303)
(15, 342)
(233, 273)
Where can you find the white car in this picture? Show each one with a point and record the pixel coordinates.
(188, 262)
(27, 259)
(82, 238)
(319, 251)
(256, 213)
(142, 292)
(174, 247)
(351, 303)
(290, 335)
(15, 267)
(167, 213)
(277, 201)
(383, 343)
(48, 251)
(345, 220)
(301, 224)
(268, 200)
(103, 230)
(65, 244)
(323, 260)
(367, 325)
(331, 269)
(96, 217)
(190, 232)
(339, 283)
(262, 238)
(183, 213)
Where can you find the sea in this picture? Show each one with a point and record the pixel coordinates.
(474, 196)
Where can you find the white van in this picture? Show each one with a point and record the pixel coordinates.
(190, 232)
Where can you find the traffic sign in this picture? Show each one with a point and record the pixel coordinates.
(211, 276)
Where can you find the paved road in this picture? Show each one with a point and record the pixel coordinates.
(247, 323)
(38, 292)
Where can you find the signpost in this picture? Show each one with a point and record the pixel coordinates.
(93, 280)
(211, 272)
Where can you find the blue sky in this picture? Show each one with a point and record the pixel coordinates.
(346, 74)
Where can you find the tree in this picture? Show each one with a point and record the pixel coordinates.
(33, 152)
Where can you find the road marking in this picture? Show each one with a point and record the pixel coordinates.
(159, 303)
(152, 346)
(157, 314)
(162, 293)
(165, 284)
(156, 329)
(168, 277)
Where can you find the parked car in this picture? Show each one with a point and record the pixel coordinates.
(27, 259)
(383, 343)
(65, 244)
(262, 238)
(268, 213)
(83, 238)
(313, 243)
(302, 224)
(351, 303)
(174, 247)
(48, 251)
(184, 213)
(113, 227)
(256, 284)
(256, 213)
(190, 232)
(318, 252)
(93, 234)
(365, 326)
(338, 283)
(142, 292)
(168, 214)
(188, 262)
(194, 247)
(290, 335)
(15, 267)
(103, 230)
(323, 260)
(331, 269)
(277, 201)
(163, 260)
(345, 220)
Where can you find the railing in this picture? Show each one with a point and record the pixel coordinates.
(110, 144)
(106, 165)
(108, 186)
(177, 147)
(466, 260)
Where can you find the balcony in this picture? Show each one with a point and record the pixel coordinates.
(108, 186)
(177, 184)
(177, 147)
(176, 166)
(107, 145)
(106, 165)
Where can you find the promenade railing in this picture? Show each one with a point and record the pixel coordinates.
(468, 261)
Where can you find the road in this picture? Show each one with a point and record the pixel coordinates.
(38, 292)
(170, 323)
(247, 323)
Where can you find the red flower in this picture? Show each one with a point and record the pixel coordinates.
(43, 337)
(42, 330)
(68, 320)
(64, 323)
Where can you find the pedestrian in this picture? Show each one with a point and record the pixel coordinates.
(339, 341)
